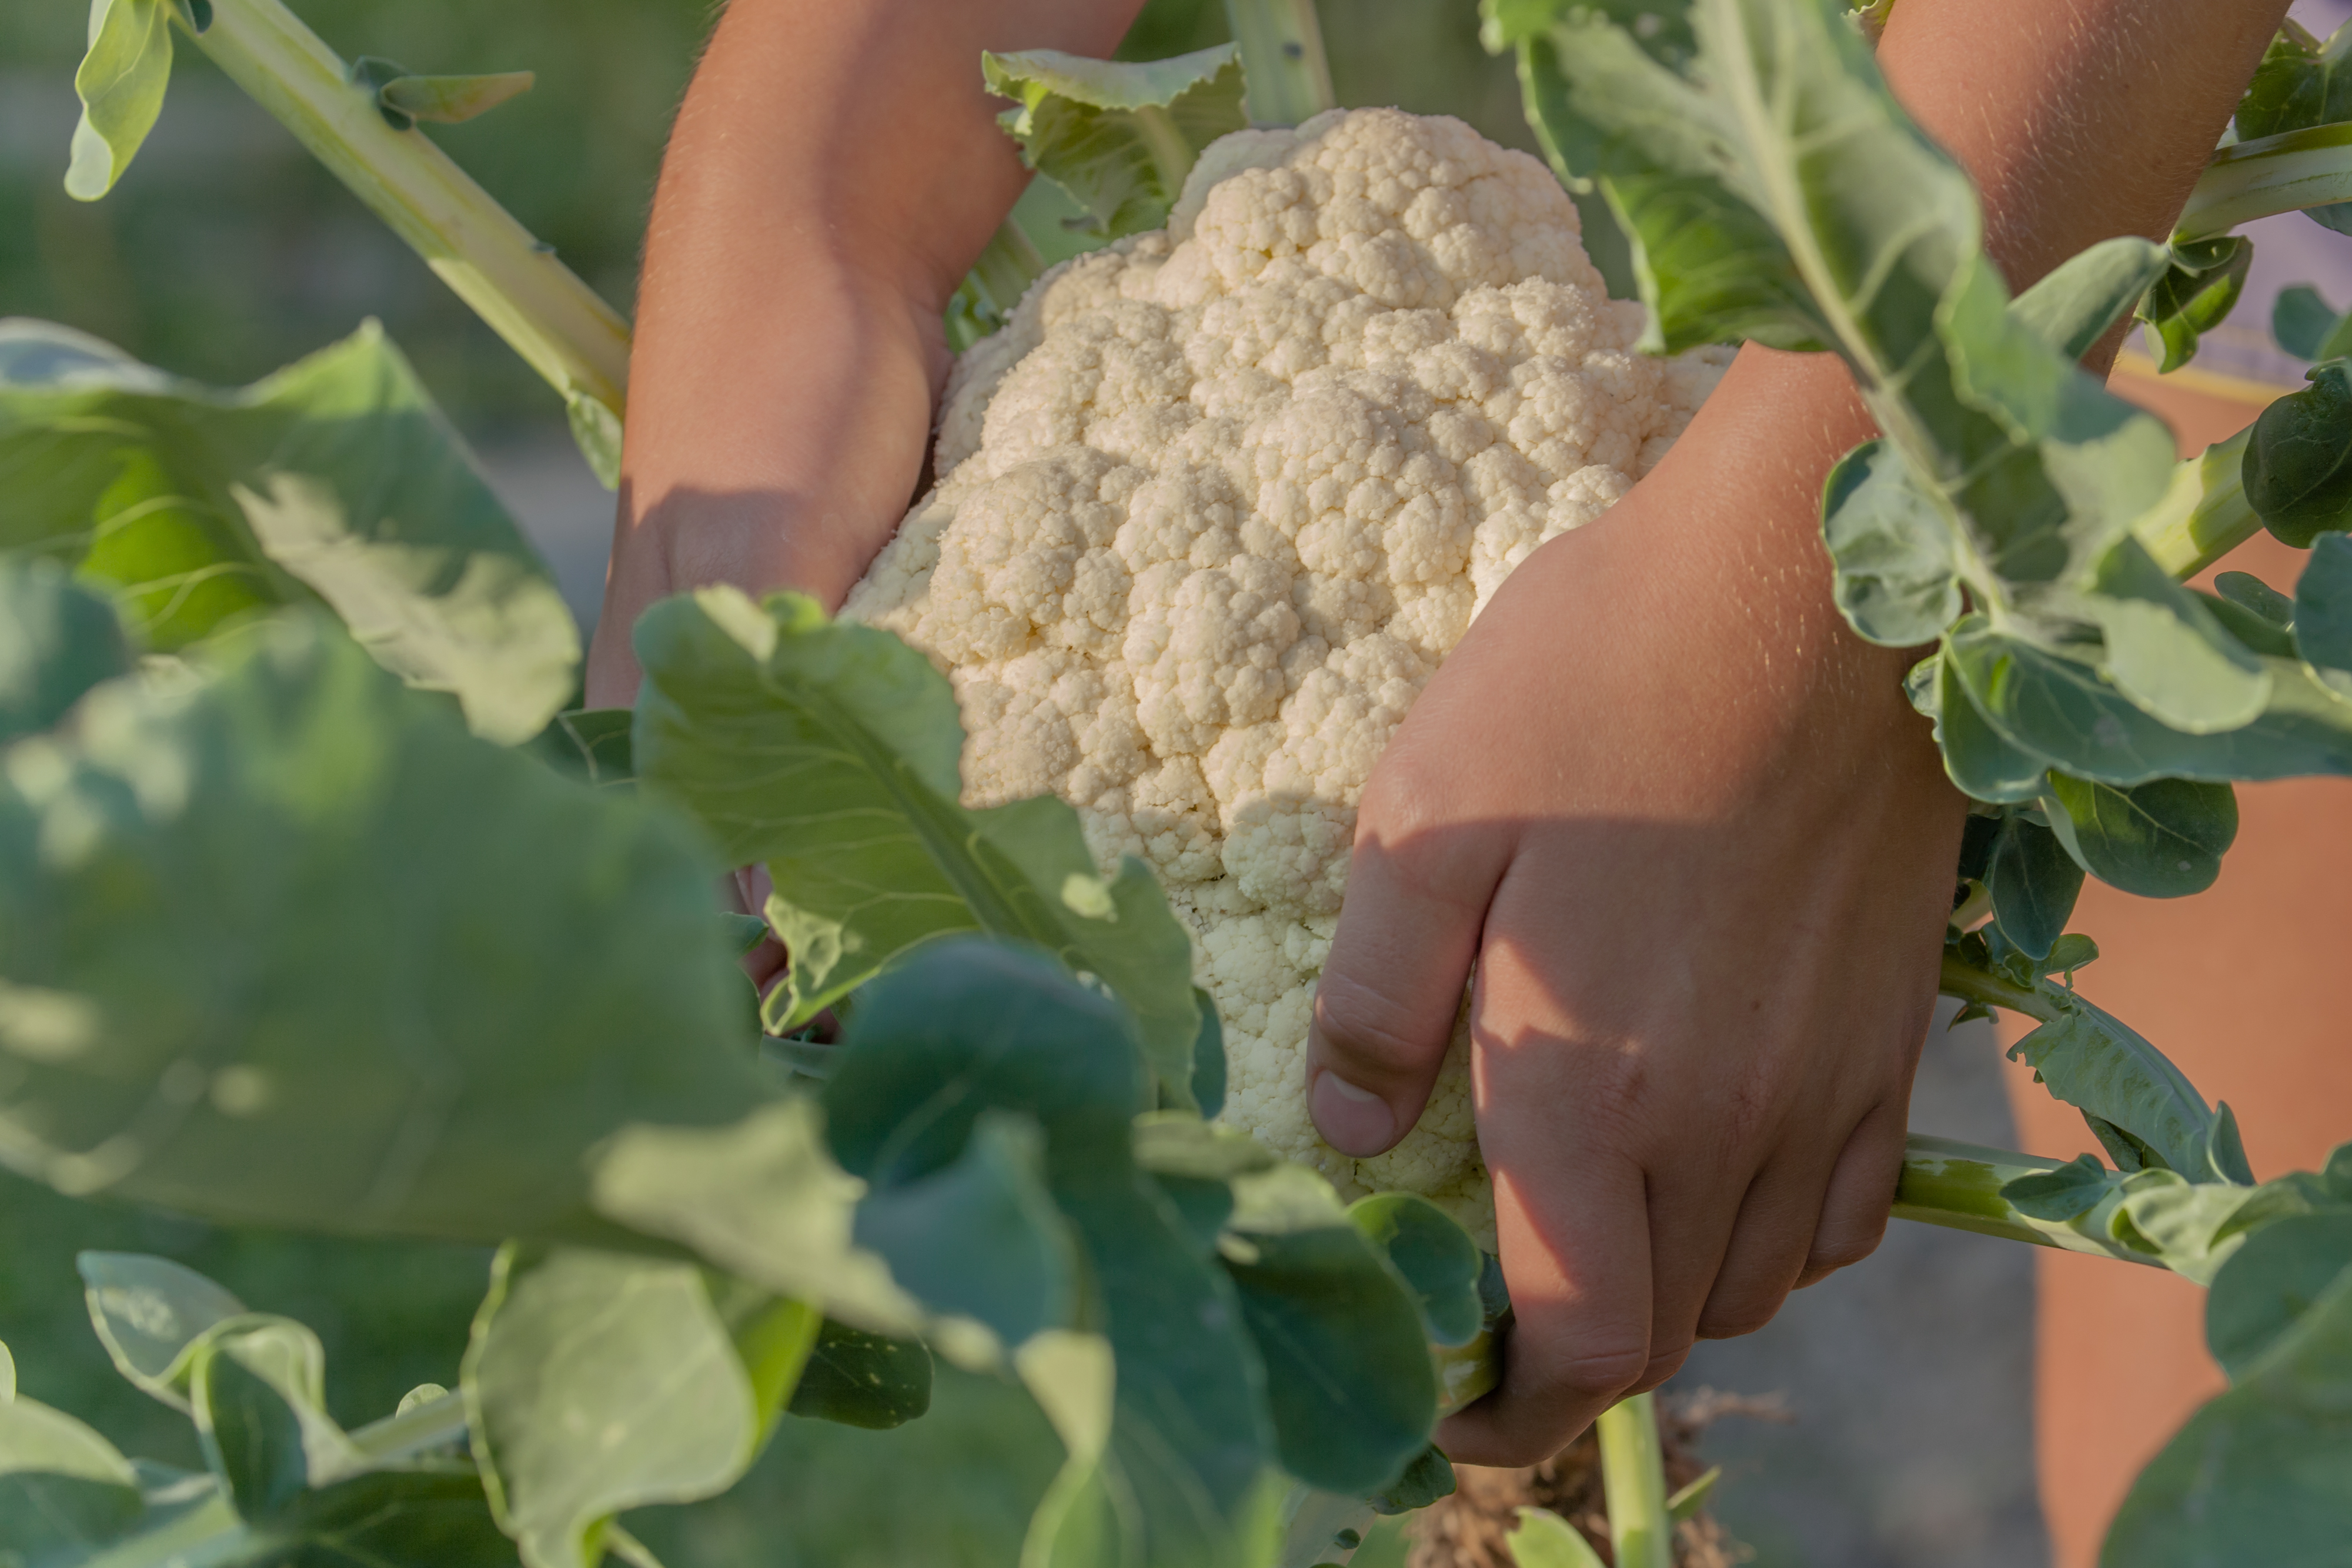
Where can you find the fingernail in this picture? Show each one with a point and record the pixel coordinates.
(1356, 1121)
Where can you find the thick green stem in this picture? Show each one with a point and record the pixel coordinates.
(2250, 180)
(1957, 1185)
(556, 322)
(1289, 76)
(2205, 515)
(1966, 983)
(1633, 1474)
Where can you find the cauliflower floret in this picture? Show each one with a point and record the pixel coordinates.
(1217, 501)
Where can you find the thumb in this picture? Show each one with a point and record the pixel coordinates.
(1391, 989)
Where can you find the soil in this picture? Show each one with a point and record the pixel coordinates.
(1467, 1530)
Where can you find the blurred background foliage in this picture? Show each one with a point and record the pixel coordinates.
(226, 251)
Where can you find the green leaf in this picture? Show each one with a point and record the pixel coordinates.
(2164, 838)
(2255, 613)
(1689, 1500)
(1208, 1057)
(284, 945)
(1981, 761)
(408, 1517)
(149, 1313)
(1707, 263)
(762, 1199)
(1119, 137)
(2323, 612)
(1892, 546)
(2166, 652)
(2298, 467)
(2075, 302)
(860, 1379)
(1427, 1476)
(968, 1027)
(65, 1491)
(591, 745)
(57, 640)
(334, 481)
(2057, 706)
(2262, 1474)
(829, 751)
(2092, 1062)
(2034, 882)
(1347, 1372)
(2306, 325)
(2072, 1190)
(980, 1237)
(1544, 1540)
(2268, 1285)
(1434, 1257)
(597, 1382)
(121, 82)
(453, 100)
(2299, 83)
(1089, 1516)
(2195, 294)
(258, 1389)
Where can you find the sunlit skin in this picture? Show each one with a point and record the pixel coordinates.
(1697, 845)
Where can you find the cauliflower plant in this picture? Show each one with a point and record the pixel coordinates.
(1216, 501)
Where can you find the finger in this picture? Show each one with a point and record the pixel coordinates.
(1392, 988)
(1579, 1339)
(1697, 1203)
(747, 892)
(1769, 1239)
(1860, 1191)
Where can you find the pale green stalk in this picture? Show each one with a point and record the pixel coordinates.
(1633, 1474)
(2205, 515)
(1957, 1185)
(555, 321)
(1287, 75)
(2285, 174)
(433, 1424)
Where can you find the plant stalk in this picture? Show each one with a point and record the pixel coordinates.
(435, 1424)
(2285, 174)
(1957, 1185)
(1633, 1475)
(556, 322)
(2204, 516)
(1286, 73)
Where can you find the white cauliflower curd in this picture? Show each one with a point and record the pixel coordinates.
(1216, 501)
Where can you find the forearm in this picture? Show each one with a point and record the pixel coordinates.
(833, 171)
(2079, 121)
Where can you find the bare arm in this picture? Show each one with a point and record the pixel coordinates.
(835, 169)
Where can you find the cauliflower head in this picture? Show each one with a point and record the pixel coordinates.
(1217, 501)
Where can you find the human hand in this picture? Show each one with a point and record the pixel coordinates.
(1701, 851)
